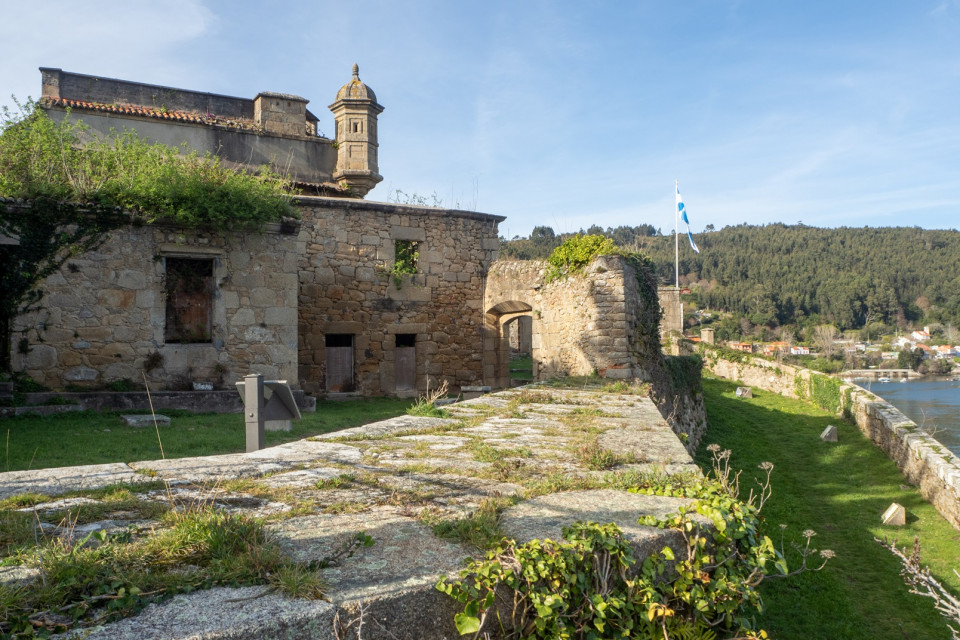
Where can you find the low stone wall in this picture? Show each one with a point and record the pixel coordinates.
(921, 458)
(195, 401)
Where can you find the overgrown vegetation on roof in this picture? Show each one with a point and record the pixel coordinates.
(62, 190)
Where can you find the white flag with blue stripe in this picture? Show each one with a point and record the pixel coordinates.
(683, 216)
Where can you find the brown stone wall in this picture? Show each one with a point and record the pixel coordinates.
(921, 458)
(581, 325)
(672, 321)
(104, 313)
(349, 246)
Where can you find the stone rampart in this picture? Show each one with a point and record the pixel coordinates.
(920, 457)
(388, 479)
(104, 315)
(581, 325)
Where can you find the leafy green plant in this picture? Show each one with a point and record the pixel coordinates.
(586, 586)
(406, 255)
(576, 253)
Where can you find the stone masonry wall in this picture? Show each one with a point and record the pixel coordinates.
(104, 313)
(599, 322)
(921, 458)
(346, 290)
(581, 324)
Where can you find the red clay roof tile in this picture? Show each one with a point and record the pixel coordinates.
(150, 112)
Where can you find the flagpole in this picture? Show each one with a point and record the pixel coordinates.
(676, 233)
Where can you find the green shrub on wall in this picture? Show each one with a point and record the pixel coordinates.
(825, 392)
(576, 253)
(801, 387)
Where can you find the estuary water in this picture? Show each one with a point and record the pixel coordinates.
(933, 403)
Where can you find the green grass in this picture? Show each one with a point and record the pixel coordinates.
(34, 442)
(840, 491)
(521, 368)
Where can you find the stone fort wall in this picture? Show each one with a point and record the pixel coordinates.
(348, 296)
(103, 316)
(580, 325)
(920, 457)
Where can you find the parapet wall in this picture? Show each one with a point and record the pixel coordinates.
(921, 458)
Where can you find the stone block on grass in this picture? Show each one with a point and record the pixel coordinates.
(829, 434)
(744, 392)
(895, 515)
(145, 420)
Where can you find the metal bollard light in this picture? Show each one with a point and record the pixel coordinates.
(253, 410)
(260, 414)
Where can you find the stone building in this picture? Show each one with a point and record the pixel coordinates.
(318, 302)
(273, 129)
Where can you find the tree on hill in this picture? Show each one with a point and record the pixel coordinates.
(777, 275)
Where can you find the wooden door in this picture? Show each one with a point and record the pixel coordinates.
(405, 368)
(339, 363)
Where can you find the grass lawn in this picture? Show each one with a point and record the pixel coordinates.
(89, 437)
(521, 368)
(839, 490)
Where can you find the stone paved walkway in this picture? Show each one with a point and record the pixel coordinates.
(552, 450)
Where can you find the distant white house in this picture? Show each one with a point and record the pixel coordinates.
(920, 336)
(799, 351)
(904, 342)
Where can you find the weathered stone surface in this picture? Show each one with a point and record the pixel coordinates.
(111, 318)
(829, 434)
(356, 485)
(744, 392)
(64, 479)
(379, 578)
(223, 614)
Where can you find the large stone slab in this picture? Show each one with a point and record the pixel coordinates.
(247, 613)
(391, 581)
(59, 480)
(543, 518)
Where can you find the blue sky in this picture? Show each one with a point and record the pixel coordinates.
(568, 114)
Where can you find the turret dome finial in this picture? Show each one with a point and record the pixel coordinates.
(356, 71)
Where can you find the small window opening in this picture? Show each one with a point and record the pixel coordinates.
(406, 255)
(189, 289)
(406, 339)
(356, 127)
(338, 339)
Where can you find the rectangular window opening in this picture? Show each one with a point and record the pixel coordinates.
(188, 286)
(406, 339)
(338, 340)
(406, 255)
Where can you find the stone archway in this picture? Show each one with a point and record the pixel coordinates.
(500, 321)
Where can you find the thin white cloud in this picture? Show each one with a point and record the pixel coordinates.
(130, 39)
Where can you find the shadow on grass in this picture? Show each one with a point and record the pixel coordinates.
(839, 490)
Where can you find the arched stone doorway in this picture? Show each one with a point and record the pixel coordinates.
(507, 324)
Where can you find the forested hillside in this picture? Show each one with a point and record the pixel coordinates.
(793, 274)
